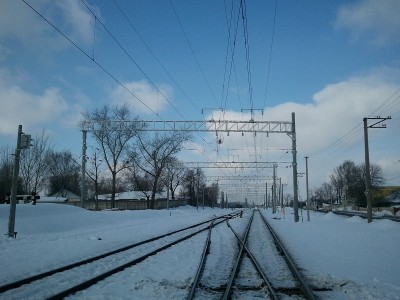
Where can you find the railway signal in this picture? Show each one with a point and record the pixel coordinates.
(23, 142)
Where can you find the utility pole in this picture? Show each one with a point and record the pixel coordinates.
(368, 184)
(168, 183)
(274, 191)
(308, 197)
(198, 188)
(203, 196)
(83, 171)
(294, 153)
(23, 142)
(279, 192)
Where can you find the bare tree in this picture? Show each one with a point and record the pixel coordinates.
(377, 178)
(6, 171)
(350, 178)
(64, 173)
(94, 172)
(152, 154)
(193, 180)
(113, 130)
(34, 164)
(211, 194)
(175, 175)
(325, 193)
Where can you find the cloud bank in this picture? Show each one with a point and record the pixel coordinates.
(371, 20)
(142, 97)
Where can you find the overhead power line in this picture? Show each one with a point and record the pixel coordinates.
(270, 53)
(154, 55)
(193, 53)
(92, 58)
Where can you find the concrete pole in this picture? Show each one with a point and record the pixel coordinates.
(83, 171)
(308, 197)
(14, 188)
(168, 192)
(203, 197)
(274, 191)
(368, 191)
(294, 167)
(198, 188)
(279, 192)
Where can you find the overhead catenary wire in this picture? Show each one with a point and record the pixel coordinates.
(193, 53)
(133, 61)
(243, 10)
(93, 59)
(270, 53)
(89, 56)
(155, 56)
(137, 65)
(341, 147)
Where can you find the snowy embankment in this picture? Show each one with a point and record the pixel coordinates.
(356, 259)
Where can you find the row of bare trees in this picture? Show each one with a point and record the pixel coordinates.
(124, 157)
(146, 161)
(41, 169)
(348, 182)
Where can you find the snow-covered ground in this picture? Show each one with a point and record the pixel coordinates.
(356, 259)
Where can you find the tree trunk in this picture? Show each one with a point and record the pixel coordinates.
(113, 189)
(153, 198)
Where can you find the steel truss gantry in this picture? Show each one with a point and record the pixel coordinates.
(233, 164)
(207, 125)
(286, 127)
(238, 177)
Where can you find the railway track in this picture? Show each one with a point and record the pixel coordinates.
(261, 268)
(64, 281)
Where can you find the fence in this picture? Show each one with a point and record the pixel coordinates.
(129, 204)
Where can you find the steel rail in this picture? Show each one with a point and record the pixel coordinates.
(200, 268)
(18, 283)
(88, 283)
(257, 266)
(293, 268)
(235, 268)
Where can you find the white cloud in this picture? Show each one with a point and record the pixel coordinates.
(19, 106)
(18, 21)
(78, 19)
(142, 97)
(332, 113)
(375, 20)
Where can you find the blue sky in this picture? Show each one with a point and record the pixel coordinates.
(332, 63)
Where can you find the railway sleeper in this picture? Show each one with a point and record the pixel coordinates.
(222, 288)
(290, 291)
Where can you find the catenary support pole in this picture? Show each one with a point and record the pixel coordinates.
(294, 167)
(83, 170)
(274, 191)
(14, 187)
(168, 183)
(308, 196)
(368, 182)
(368, 192)
(279, 192)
